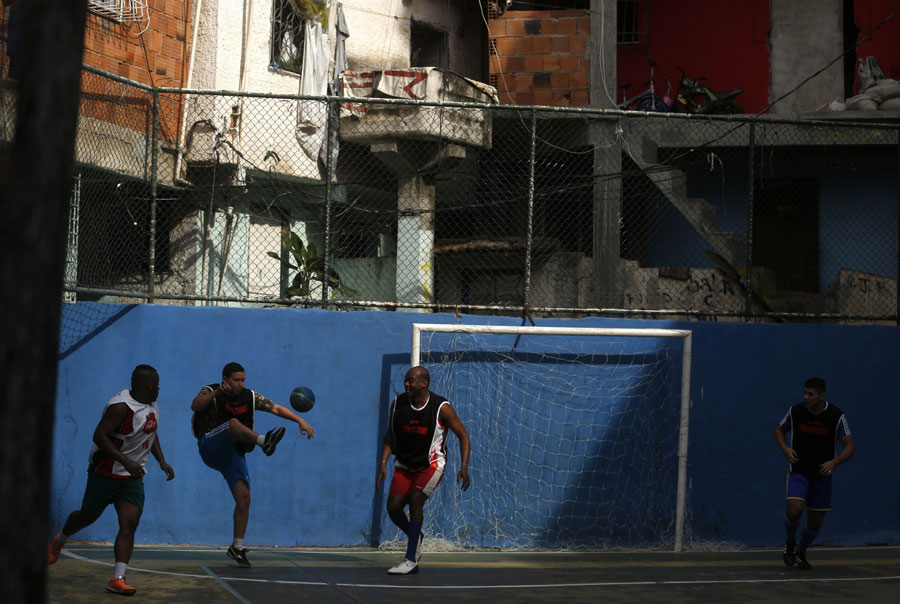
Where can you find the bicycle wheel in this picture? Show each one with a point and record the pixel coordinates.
(653, 103)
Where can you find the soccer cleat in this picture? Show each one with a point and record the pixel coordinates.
(53, 551)
(117, 585)
(419, 547)
(272, 438)
(788, 555)
(407, 567)
(800, 561)
(239, 556)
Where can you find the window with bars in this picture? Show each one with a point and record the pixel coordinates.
(287, 37)
(120, 11)
(628, 22)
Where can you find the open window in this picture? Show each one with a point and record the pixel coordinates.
(287, 37)
(628, 22)
(429, 46)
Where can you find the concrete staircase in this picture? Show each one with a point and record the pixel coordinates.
(700, 213)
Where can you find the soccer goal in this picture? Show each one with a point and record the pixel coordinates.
(579, 435)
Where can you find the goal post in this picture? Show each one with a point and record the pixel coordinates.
(609, 387)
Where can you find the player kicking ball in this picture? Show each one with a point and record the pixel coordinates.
(416, 436)
(223, 425)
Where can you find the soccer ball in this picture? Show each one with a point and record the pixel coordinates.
(302, 399)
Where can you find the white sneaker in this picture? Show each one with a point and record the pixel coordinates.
(406, 567)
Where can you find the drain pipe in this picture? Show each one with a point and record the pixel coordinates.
(187, 97)
(226, 246)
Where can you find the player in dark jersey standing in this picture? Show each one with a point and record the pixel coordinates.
(123, 440)
(815, 425)
(223, 425)
(417, 435)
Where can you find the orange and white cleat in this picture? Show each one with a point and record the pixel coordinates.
(117, 585)
(53, 551)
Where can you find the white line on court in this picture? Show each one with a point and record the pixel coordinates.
(227, 587)
(503, 586)
(490, 552)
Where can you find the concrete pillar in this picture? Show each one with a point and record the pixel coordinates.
(602, 51)
(607, 281)
(802, 36)
(415, 240)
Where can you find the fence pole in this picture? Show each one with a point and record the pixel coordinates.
(154, 174)
(748, 273)
(331, 123)
(530, 225)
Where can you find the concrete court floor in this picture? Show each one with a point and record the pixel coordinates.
(192, 574)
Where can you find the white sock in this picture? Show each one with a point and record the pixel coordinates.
(120, 569)
(238, 543)
(260, 440)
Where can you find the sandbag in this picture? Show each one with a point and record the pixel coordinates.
(890, 105)
(862, 102)
(890, 89)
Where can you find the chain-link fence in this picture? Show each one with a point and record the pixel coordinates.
(205, 197)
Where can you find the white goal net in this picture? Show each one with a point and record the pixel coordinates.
(579, 435)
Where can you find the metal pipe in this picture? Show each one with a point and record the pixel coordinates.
(748, 276)
(530, 224)
(684, 426)
(330, 123)
(504, 310)
(226, 247)
(208, 220)
(154, 177)
(187, 97)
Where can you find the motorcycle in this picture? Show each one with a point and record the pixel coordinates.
(694, 97)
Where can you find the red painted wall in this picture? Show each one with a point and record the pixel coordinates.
(724, 41)
(884, 44)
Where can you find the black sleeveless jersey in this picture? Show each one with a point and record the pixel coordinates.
(814, 436)
(418, 436)
(222, 408)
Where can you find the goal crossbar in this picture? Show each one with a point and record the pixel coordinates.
(685, 404)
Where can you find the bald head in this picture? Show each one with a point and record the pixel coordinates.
(420, 373)
(416, 383)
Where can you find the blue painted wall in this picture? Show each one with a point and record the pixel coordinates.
(322, 492)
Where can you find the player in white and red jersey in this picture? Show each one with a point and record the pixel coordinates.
(416, 435)
(124, 438)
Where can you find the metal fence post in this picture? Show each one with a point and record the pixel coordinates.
(748, 272)
(154, 175)
(529, 233)
(331, 123)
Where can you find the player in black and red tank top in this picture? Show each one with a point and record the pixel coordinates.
(416, 435)
(815, 426)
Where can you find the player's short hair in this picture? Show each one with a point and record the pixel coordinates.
(815, 383)
(141, 376)
(232, 368)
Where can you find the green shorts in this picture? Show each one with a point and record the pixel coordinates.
(102, 490)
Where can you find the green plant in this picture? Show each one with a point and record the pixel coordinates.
(310, 267)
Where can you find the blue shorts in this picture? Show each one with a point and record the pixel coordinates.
(816, 492)
(220, 453)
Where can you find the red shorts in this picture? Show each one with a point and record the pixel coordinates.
(425, 480)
